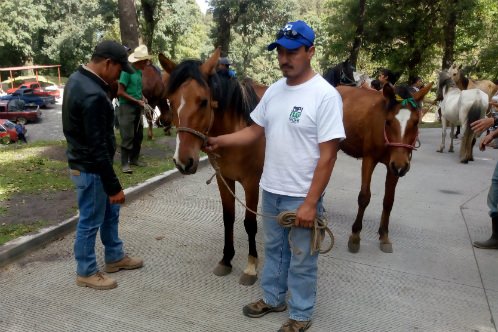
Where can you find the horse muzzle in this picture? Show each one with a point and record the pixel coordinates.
(188, 167)
(399, 170)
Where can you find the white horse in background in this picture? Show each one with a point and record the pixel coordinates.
(460, 108)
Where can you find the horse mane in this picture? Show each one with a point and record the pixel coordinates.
(228, 92)
(402, 91)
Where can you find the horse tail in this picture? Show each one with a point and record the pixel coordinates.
(475, 113)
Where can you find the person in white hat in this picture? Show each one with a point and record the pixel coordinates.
(131, 104)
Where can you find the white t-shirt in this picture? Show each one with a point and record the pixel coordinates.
(296, 119)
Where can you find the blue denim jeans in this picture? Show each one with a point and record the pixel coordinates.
(96, 212)
(286, 268)
(493, 194)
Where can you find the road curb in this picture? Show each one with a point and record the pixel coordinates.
(17, 248)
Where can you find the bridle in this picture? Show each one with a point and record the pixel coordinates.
(412, 146)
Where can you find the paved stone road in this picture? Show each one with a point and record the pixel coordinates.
(434, 281)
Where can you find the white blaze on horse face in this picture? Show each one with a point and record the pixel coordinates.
(177, 149)
(403, 116)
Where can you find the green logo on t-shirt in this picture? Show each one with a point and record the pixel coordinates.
(295, 114)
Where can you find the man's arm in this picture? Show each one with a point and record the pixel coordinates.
(242, 137)
(122, 93)
(306, 213)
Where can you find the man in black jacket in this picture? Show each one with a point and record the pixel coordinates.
(87, 120)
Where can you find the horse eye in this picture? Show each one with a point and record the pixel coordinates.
(204, 103)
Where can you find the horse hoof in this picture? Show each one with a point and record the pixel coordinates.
(386, 247)
(440, 151)
(222, 270)
(451, 150)
(353, 247)
(464, 161)
(247, 279)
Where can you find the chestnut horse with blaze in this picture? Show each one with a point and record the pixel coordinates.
(203, 104)
(380, 127)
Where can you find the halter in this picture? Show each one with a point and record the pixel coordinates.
(198, 134)
(403, 102)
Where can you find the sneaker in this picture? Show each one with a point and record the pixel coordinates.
(126, 263)
(260, 308)
(292, 325)
(97, 281)
(127, 169)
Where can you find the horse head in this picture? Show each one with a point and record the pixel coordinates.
(401, 126)
(189, 91)
(444, 82)
(341, 74)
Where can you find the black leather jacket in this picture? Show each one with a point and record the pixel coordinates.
(87, 122)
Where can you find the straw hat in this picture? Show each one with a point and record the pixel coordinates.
(139, 54)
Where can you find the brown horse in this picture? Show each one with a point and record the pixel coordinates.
(204, 103)
(380, 127)
(154, 90)
(465, 83)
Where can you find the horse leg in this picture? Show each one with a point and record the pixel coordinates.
(150, 135)
(367, 167)
(250, 274)
(451, 149)
(443, 134)
(389, 191)
(224, 267)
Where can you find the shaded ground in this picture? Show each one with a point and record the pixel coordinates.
(52, 207)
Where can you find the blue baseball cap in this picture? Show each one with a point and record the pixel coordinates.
(294, 35)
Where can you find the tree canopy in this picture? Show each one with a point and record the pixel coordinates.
(412, 37)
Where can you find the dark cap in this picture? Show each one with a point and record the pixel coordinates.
(110, 49)
(294, 35)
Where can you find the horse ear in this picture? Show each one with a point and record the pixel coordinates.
(460, 67)
(208, 68)
(419, 95)
(166, 63)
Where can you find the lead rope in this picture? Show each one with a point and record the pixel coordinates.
(286, 218)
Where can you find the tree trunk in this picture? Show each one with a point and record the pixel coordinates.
(449, 35)
(149, 8)
(360, 25)
(128, 23)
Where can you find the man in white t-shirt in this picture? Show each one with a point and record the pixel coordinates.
(301, 118)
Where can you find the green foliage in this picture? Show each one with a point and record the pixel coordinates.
(10, 232)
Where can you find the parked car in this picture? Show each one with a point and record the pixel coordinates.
(16, 110)
(8, 133)
(38, 89)
(30, 98)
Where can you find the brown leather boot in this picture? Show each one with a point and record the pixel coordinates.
(97, 281)
(492, 242)
(126, 263)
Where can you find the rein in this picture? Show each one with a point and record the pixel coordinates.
(285, 219)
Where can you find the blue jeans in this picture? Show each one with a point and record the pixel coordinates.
(96, 212)
(493, 194)
(285, 268)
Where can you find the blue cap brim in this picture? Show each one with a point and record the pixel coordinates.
(290, 44)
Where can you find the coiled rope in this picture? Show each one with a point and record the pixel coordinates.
(285, 219)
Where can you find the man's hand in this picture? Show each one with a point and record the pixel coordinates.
(211, 144)
(119, 198)
(482, 124)
(305, 215)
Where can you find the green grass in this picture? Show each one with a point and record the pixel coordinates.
(9, 232)
(30, 169)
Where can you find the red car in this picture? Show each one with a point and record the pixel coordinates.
(48, 90)
(8, 133)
